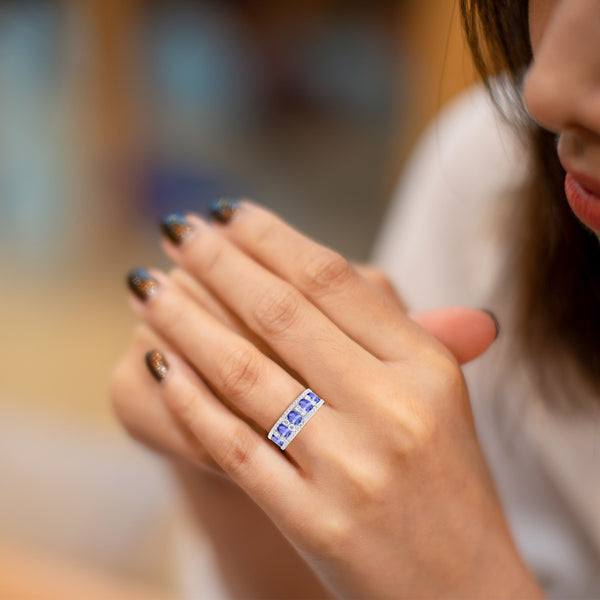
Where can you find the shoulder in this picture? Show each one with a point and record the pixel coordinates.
(445, 214)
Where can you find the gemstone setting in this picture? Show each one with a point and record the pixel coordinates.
(295, 417)
(278, 441)
(305, 404)
(284, 431)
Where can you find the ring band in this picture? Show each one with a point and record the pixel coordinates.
(295, 417)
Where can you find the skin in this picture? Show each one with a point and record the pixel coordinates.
(403, 506)
(262, 566)
(385, 494)
(562, 87)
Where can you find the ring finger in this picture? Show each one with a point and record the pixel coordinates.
(251, 384)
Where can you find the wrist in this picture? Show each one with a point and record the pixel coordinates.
(501, 572)
(255, 560)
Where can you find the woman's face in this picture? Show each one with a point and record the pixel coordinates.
(562, 93)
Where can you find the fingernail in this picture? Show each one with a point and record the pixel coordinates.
(224, 209)
(495, 319)
(141, 283)
(157, 365)
(176, 227)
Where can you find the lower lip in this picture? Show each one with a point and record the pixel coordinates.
(585, 204)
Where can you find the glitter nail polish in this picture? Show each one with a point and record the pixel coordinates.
(176, 227)
(224, 209)
(141, 283)
(157, 365)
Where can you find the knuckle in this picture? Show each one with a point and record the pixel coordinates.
(417, 437)
(380, 280)
(237, 453)
(367, 482)
(445, 376)
(240, 372)
(333, 534)
(402, 414)
(278, 310)
(416, 418)
(326, 269)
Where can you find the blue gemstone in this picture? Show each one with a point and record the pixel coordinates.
(313, 397)
(305, 404)
(294, 417)
(284, 431)
(277, 440)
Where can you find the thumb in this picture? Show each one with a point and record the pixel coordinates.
(466, 332)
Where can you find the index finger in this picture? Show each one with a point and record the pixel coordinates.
(309, 342)
(358, 307)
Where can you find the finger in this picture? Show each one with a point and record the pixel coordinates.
(218, 310)
(208, 301)
(466, 332)
(254, 463)
(251, 384)
(379, 279)
(305, 339)
(139, 407)
(357, 307)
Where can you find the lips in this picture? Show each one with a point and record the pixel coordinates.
(584, 202)
(576, 151)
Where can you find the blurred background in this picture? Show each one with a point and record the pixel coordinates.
(113, 112)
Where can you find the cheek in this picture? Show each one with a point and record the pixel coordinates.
(540, 12)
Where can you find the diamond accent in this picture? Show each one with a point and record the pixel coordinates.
(295, 417)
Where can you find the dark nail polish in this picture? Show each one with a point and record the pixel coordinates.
(157, 365)
(224, 209)
(495, 319)
(141, 283)
(176, 227)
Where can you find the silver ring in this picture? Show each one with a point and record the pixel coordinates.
(295, 417)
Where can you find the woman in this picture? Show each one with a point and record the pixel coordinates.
(387, 493)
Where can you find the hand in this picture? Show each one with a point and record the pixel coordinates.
(385, 492)
(467, 333)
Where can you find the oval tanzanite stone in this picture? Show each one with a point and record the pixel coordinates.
(277, 440)
(305, 404)
(294, 417)
(313, 397)
(283, 430)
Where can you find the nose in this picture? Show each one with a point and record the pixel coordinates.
(562, 85)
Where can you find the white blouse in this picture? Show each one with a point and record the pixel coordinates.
(442, 244)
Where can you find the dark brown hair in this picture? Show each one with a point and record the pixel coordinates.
(556, 264)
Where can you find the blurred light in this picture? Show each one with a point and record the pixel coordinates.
(345, 66)
(199, 69)
(31, 161)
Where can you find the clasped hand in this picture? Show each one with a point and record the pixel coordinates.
(385, 492)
